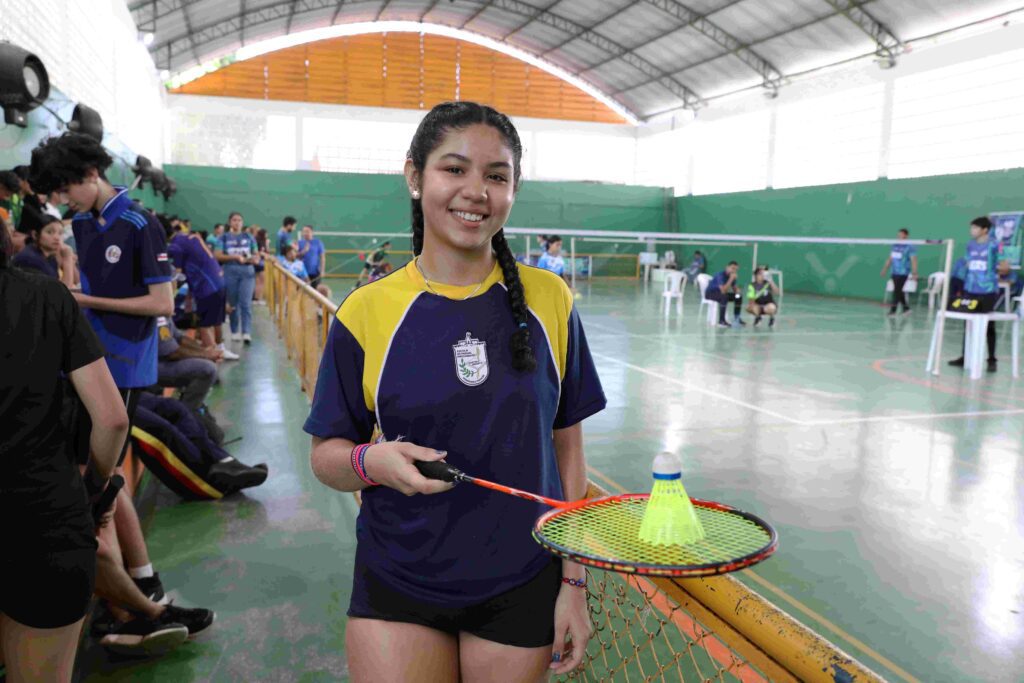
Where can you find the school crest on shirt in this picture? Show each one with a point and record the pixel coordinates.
(113, 253)
(471, 365)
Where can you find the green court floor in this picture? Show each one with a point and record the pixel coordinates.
(899, 497)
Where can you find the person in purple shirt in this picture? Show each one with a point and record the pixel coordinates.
(205, 283)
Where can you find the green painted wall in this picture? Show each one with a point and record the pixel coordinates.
(16, 146)
(351, 202)
(357, 201)
(931, 208)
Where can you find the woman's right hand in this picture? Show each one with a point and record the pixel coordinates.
(390, 463)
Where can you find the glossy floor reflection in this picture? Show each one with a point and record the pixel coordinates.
(899, 497)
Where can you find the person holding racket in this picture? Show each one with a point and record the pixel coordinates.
(466, 356)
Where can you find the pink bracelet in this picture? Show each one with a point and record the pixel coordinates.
(358, 457)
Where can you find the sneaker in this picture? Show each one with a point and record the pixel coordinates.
(143, 637)
(771, 321)
(194, 619)
(957, 362)
(247, 338)
(722, 323)
(757, 321)
(230, 476)
(152, 588)
(740, 321)
(892, 312)
(236, 336)
(906, 311)
(102, 622)
(992, 363)
(228, 354)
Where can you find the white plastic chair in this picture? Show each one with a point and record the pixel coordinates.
(910, 287)
(675, 282)
(934, 290)
(702, 284)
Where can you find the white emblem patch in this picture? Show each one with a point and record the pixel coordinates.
(471, 361)
(113, 253)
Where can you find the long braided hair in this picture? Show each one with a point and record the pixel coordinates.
(431, 131)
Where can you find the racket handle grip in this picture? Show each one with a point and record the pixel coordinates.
(106, 498)
(435, 469)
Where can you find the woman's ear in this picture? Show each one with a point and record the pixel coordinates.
(412, 179)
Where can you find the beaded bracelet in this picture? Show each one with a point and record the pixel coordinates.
(579, 583)
(358, 458)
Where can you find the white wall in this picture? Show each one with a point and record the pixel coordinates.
(233, 132)
(92, 54)
(954, 107)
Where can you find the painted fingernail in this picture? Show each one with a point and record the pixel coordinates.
(556, 657)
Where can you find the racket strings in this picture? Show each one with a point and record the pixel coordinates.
(610, 529)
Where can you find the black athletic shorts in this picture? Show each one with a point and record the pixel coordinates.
(211, 309)
(523, 616)
(46, 589)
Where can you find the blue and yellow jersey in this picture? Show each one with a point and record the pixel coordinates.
(437, 372)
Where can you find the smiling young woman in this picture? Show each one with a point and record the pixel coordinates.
(467, 356)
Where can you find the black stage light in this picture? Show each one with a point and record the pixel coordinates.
(88, 121)
(24, 84)
(143, 170)
(158, 180)
(170, 189)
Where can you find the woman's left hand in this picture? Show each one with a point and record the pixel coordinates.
(571, 619)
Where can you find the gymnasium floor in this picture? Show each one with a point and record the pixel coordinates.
(899, 498)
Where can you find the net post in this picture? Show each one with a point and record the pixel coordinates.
(572, 259)
(526, 238)
(754, 266)
(941, 312)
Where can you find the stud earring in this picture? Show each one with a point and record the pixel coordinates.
(415, 194)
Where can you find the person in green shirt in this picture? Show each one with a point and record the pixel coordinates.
(374, 263)
(760, 298)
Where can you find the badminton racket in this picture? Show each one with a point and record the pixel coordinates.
(604, 532)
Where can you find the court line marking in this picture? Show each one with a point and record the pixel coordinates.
(617, 333)
(699, 390)
(824, 621)
(914, 416)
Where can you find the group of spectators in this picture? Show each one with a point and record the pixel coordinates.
(305, 257)
(91, 361)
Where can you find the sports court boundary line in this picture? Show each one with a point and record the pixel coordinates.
(707, 392)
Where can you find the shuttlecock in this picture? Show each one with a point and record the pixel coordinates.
(669, 518)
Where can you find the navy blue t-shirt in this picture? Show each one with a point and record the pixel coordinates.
(121, 253)
(31, 258)
(718, 281)
(402, 361)
(201, 270)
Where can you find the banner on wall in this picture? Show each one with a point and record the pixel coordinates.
(1007, 231)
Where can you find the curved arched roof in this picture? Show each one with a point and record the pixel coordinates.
(650, 56)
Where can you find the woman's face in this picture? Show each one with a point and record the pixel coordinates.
(235, 222)
(49, 238)
(467, 189)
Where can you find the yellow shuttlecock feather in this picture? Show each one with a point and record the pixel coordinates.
(669, 518)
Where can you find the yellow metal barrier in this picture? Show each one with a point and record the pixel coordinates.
(656, 629)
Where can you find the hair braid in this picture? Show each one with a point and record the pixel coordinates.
(522, 353)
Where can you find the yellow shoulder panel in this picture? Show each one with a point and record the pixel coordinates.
(551, 301)
(371, 314)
